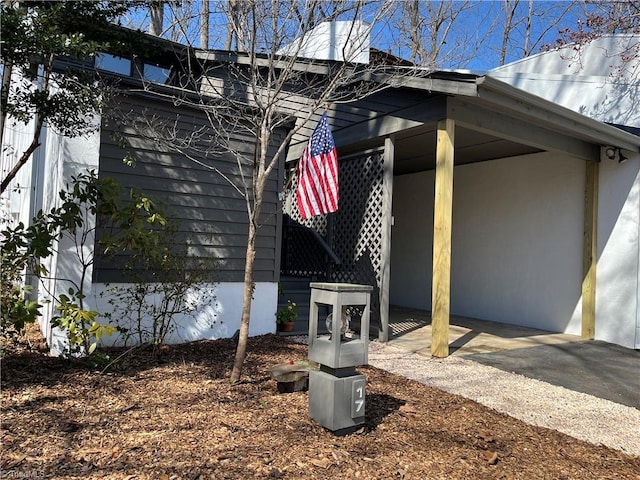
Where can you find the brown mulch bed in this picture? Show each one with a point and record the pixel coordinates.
(174, 415)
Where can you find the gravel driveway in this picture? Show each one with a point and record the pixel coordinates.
(582, 416)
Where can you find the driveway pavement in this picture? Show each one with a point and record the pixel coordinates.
(596, 368)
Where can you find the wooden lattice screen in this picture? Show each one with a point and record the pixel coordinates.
(355, 231)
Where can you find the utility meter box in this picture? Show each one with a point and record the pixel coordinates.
(337, 391)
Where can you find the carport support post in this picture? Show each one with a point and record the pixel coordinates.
(589, 250)
(443, 209)
(387, 221)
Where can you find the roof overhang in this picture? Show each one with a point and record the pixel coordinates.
(537, 110)
(493, 120)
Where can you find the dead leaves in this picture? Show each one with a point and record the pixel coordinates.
(408, 409)
(321, 462)
(324, 460)
(491, 457)
(180, 419)
(12, 460)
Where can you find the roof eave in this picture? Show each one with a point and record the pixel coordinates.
(555, 116)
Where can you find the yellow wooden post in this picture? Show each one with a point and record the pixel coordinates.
(443, 209)
(589, 251)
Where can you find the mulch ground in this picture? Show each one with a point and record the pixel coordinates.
(173, 415)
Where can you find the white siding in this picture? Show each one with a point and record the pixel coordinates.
(17, 199)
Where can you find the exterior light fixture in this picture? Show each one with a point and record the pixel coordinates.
(337, 390)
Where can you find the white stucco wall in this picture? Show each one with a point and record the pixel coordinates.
(220, 319)
(61, 158)
(600, 80)
(618, 270)
(517, 244)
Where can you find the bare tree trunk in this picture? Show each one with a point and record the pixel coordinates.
(232, 15)
(35, 141)
(156, 10)
(509, 12)
(415, 30)
(527, 37)
(204, 24)
(241, 349)
(259, 178)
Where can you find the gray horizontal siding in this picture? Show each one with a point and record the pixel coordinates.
(210, 214)
(344, 115)
(227, 270)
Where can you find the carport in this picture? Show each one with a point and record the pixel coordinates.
(441, 120)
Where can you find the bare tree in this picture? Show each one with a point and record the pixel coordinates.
(180, 21)
(426, 28)
(156, 23)
(527, 24)
(459, 34)
(236, 17)
(272, 85)
(510, 7)
(204, 24)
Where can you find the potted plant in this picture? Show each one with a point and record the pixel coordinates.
(286, 317)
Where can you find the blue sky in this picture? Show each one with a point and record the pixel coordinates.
(474, 41)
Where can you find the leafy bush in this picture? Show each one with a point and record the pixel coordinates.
(147, 311)
(25, 248)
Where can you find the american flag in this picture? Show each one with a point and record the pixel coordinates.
(318, 173)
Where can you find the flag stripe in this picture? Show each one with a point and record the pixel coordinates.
(317, 192)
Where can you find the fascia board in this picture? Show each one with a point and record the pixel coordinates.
(277, 62)
(415, 79)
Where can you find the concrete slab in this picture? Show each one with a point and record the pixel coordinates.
(410, 329)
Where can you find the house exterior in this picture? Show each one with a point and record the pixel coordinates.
(542, 214)
(212, 214)
(459, 194)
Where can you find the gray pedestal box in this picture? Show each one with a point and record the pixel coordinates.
(337, 391)
(337, 403)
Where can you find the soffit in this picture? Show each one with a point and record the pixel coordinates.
(493, 120)
(415, 148)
